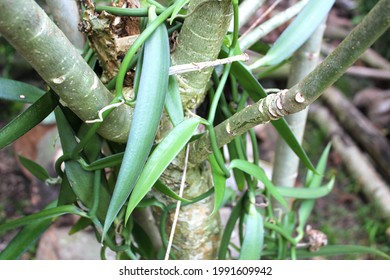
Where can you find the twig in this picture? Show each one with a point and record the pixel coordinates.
(271, 24)
(182, 184)
(270, 9)
(198, 66)
(366, 72)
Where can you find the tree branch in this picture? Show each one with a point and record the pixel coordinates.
(297, 98)
(27, 27)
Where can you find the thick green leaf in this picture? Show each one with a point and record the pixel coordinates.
(173, 103)
(153, 88)
(282, 231)
(25, 238)
(35, 169)
(108, 161)
(238, 174)
(334, 250)
(250, 84)
(43, 215)
(257, 172)
(80, 180)
(28, 119)
(17, 91)
(145, 244)
(252, 245)
(307, 193)
(296, 33)
(161, 187)
(158, 161)
(81, 224)
(219, 181)
(66, 195)
(227, 233)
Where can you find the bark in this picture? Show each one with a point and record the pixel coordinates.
(200, 39)
(360, 128)
(373, 186)
(27, 27)
(297, 98)
(197, 233)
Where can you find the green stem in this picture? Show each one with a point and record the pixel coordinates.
(136, 45)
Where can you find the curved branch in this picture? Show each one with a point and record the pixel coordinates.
(297, 98)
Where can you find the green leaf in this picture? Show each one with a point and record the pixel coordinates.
(257, 172)
(219, 181)
(43, 215)
(145, 244)
(250, 84)
(25, 238)
(227, 233)
(173, 103)
(28, 119)
(158, 161)
(254, 235)
(179, 4)
(307, 206)
(35, 169)
(12, 90)
(146, 118)
(161, 187)
(80, 180)
(334, 250)
(81, 224)
(108, 161)
(238, 174)
(307, 193)
(296, 33)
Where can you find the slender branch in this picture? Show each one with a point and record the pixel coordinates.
(246, 10)
(198, 66)
(271, 24)
(297, 98)
(259, 19)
